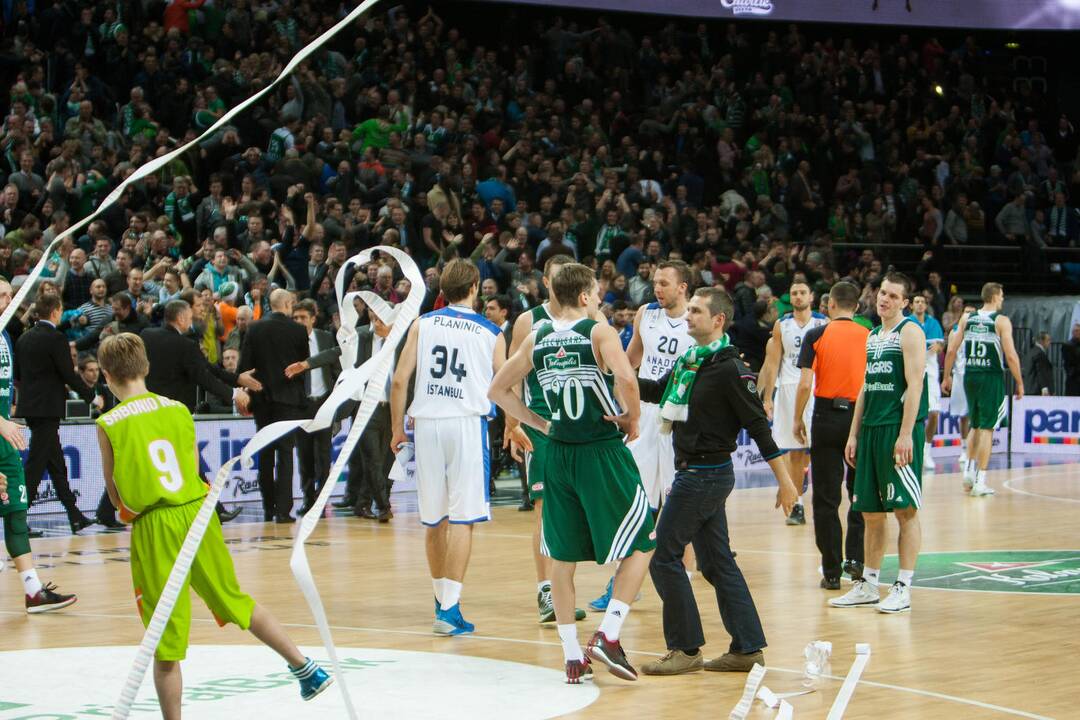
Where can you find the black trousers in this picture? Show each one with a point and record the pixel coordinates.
(695, 512)
(276, 461)
(371, 461)
(46, 453)
(313, 450)
(829, 430)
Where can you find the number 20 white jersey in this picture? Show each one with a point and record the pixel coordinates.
(664, 339)
(454, 351)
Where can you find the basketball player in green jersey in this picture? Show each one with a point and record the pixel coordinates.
(40, 597)
(521, 438)
(886, 443)
(595, 507)
(988, 348)
(148, 458)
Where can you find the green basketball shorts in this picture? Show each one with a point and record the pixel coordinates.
(12, 467)
(156, 538)
(535, 462)
(987, 404)
(880, 484)
(595, 507)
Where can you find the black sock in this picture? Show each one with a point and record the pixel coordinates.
(691, 653)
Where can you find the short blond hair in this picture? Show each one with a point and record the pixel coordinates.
(123, 356)
(457, 280)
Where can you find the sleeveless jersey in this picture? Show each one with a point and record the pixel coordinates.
(791, 340)
(154, 460)
(454, 350)
(886, 385)
(534, 394)
(6, 375)
(934, 334)
(982, 345)
(577, 392)
(664, 339)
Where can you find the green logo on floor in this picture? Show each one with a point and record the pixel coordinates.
(1019, 571)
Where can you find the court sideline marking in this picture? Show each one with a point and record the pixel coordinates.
(494, 638)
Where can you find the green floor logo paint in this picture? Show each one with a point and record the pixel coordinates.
(1020, 571)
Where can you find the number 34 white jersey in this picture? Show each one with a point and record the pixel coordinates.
(454, 352)
(664, 339)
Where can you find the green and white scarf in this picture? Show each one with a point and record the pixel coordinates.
(674, 405)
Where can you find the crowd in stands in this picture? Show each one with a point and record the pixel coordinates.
(757, 154)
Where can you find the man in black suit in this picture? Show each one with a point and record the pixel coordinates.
(271, 345)
(314, 448)
(1040, 371)
(370, 463)
(43, 367)
(178, 367)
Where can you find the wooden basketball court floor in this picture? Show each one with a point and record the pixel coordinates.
(958, 654)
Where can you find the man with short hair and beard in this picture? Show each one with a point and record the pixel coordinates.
(885, 446)
(94, 315)
(781, 372)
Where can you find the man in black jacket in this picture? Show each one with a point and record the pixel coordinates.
(708, 398)
(178, 367)
(314, 448)
(1039, 373)
(271, 345)
(43, 367)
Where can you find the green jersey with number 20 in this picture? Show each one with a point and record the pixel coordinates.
(154, 462)
(578, 393)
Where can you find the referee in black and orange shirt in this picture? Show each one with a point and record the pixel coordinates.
(833, 362)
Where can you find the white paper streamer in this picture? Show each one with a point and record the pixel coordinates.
(753, 680)
(862, 657)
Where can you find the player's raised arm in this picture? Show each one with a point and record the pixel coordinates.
(635, 351)
(505, 386)
(399, 387)
(1003, 325)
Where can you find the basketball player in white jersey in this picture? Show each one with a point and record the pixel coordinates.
(781, 372)
(660, 337)
(455, 353)
(518, 438)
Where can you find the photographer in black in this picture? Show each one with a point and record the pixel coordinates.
(707, 399)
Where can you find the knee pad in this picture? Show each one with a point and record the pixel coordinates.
(17, 534)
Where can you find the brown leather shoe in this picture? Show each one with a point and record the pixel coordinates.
(676, 662)
(736, 662)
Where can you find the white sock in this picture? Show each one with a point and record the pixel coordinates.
(437, 586)
(972, 468)
(571, 648)
(616, 613)
(30, 582)
(906, 576)
(543, 585)
(870, 575)
(451, 593)
(690, 575)
(980, 477)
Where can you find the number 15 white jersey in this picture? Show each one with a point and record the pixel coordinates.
(454, 352)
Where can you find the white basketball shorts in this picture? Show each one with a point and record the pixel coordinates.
(783, 428)
(934, 394)
(654, 455)
(958, 400)
(452, 469)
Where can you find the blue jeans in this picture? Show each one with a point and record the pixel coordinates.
(694, 512)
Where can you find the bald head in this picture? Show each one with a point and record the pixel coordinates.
(281, 300)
